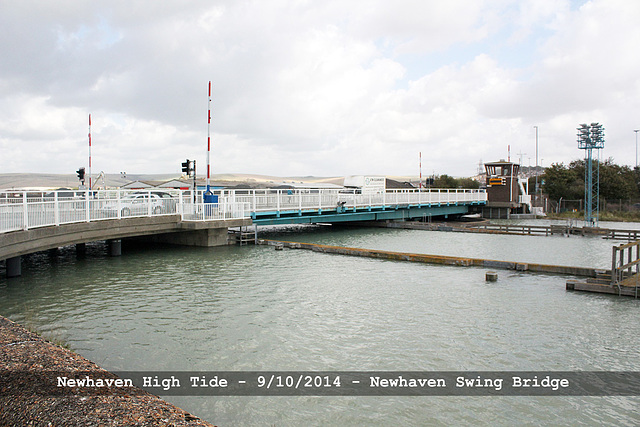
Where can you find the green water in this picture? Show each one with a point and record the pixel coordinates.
(253, 308)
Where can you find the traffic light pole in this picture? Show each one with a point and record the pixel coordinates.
(190, 171)
(194, 182)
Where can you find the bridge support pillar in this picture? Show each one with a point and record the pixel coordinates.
(115, 247)
(81, 250)
(14, 267)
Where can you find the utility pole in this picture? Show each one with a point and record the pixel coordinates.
(421, 171)
(536, 172)
(636, 131)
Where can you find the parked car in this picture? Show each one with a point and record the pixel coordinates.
(136, 204)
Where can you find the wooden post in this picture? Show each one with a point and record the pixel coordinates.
(613, 265)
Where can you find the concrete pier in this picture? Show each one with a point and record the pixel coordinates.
(115, 247)
(81, 250)
(14, 267)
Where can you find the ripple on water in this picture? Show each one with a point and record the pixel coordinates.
(254, 308)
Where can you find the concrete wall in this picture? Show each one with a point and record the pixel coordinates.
(206, 238)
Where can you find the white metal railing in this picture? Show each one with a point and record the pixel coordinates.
(214, 211)
(310, 199)
(24, 210)
(20, 210)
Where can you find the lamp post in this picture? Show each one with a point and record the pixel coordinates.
(636, 131)
(536, 189)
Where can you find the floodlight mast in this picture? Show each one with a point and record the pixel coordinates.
(591, 137)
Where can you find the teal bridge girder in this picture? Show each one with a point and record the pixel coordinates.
(274, 207)
(358, 214)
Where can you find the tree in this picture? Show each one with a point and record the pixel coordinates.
(561, 181)
(468, 183)
(616, 182)
(445, 181)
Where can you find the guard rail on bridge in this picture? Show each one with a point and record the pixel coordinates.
(310, 199)
(26, 210)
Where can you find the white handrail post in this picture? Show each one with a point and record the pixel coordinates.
(25, 212)
(86, 206)
(119, 204)
(278, 200)
(254, 200)
(56, 209)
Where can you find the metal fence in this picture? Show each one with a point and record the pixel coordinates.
(25, 210)
(318, 199)
(214, 211)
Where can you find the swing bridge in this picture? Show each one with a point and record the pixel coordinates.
(37, 221)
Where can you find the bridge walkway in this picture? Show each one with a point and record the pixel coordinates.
(32, 221)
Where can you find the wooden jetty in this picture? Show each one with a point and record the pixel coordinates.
(622, 279)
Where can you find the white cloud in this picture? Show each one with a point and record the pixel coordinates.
(314, 88)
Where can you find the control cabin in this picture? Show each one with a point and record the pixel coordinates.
(506, 193)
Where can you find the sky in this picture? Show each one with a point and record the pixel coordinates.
(322, 88)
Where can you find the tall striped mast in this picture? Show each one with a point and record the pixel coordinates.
(89, 151)
(209, 139)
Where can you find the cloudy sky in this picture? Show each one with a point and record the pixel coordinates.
(323, 88)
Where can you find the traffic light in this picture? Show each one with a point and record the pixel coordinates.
(186, 168)
(80, 173)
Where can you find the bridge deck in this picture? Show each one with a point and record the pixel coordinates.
(30, 222)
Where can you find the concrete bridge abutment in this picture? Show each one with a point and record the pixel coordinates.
(205, 238)
(165, 228)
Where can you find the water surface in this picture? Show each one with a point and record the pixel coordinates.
(253, 308)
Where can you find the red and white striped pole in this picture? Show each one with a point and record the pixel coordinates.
(209, 139)
(89, 151)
